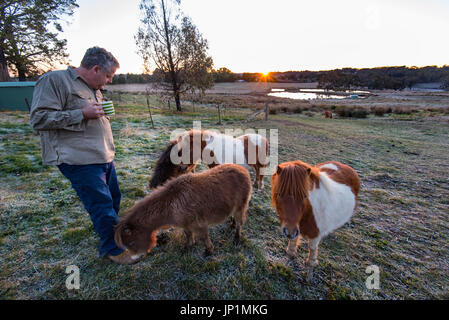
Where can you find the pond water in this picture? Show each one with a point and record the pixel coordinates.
(311, 94)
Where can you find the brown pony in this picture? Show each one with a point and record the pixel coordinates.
(312, 202)
(328, 114)
(192, 202)
(249, 150)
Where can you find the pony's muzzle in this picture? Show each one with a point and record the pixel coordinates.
(290, 235)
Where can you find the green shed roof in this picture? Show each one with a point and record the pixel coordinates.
(17, 84)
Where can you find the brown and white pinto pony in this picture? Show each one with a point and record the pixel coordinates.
(191, 202)
(328, 114)
(249, 150)
(311, 202)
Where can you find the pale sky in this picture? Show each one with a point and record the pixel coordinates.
(281, 35)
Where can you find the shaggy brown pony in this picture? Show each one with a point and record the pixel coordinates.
(192, 202)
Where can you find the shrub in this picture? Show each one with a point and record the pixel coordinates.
(347, 112)
(342, 111)
(402, 110)
(378, 111)
(359, 113)
(297, 109)
(432, 109)
(273, 110)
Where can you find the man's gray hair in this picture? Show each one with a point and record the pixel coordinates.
(97, 56)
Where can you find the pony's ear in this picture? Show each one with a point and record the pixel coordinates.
(124, 227)
(278, 170)
(121, 228)
(207, 137)
(309, 171)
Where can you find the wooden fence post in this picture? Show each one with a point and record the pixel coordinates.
(149, 109)
(219, 115)
(28, 105)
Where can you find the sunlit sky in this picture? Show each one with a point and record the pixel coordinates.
(280, 35)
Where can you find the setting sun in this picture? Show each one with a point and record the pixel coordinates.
(265, 76)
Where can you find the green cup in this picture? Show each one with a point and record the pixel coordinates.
(108, 108)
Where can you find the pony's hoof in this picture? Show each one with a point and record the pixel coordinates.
(232, 223)
(311, 263)
(290, 253)
(309, 276)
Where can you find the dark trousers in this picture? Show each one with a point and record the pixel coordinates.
(98, 189)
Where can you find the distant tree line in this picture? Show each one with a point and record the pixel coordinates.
(132, 78)
(396, 78)
(220, 75)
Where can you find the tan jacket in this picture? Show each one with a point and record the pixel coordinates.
(66, 137)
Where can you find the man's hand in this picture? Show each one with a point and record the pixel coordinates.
(93, 111)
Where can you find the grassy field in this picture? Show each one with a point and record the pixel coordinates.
(401, 224)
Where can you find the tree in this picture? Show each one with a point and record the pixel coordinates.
(445, 83)
(29, 42)
(224, 75)
(196, 67)
(170, 41)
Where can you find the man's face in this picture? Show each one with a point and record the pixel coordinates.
(99, 77)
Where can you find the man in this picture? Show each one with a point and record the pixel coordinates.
(76, 136)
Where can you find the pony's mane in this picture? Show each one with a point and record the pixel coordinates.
(190, 134)
(164, 167)
(294, 180)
